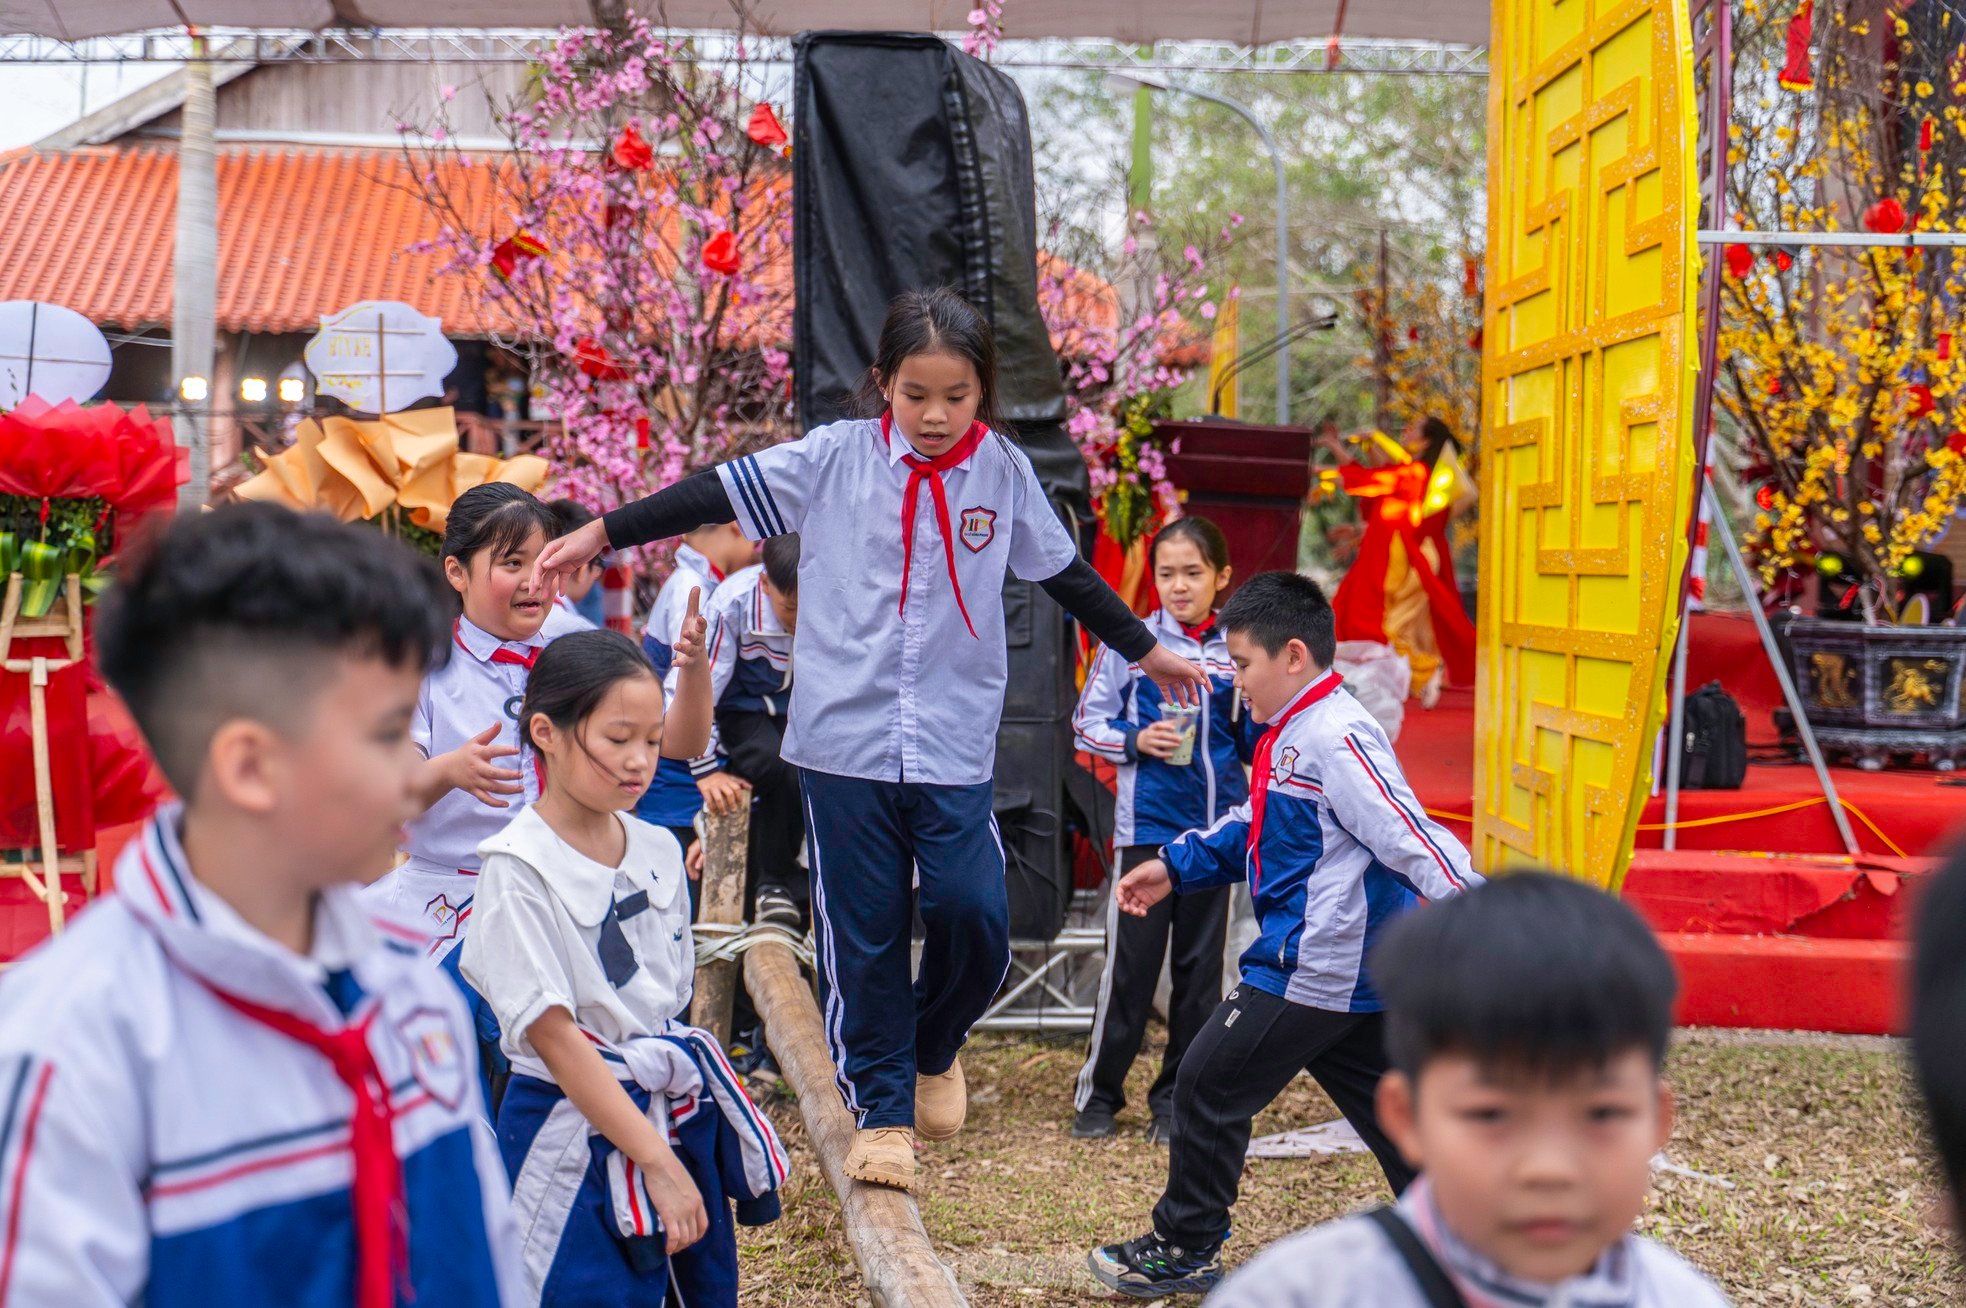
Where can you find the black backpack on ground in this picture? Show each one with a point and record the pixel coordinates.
(1714, 743)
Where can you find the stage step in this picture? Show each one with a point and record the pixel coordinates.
(1813, 943)
(1852, 987)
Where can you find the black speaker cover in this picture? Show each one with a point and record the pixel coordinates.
(911, 166)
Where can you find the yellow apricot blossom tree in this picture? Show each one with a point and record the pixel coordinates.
(1838, 366)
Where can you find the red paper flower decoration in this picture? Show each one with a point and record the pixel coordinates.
(720, 254)
(507, 254)
(764, 127)
(1740, 261)
(1795, 75)
(1886, 216)
(593, 359)
(1784, 258)
(631, 153)
(1922, 402)
(1957, 442)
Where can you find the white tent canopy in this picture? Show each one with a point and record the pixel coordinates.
(1245, 22)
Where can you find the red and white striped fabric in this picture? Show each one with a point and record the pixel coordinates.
(1696, 564)
(618, 597)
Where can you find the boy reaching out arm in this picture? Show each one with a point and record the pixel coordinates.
(1334, 848)
(1527, 1025)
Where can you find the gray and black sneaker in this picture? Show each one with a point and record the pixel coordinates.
(1094, 1123)
(1150, 1267)
(776, 907)
(1160, 1131)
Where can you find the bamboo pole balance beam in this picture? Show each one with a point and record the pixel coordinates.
(720, 903)
(884, 1226)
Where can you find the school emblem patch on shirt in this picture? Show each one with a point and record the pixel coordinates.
(436, 1059)
(1286, 762)
(979, 529)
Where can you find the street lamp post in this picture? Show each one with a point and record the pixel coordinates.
(1283, 200)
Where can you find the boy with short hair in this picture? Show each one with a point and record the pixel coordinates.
(753, 618)
(704, 558)
(225, 1083)
(1334, 847)
(1527, 1024)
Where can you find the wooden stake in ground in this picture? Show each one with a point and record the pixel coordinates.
(884, 1226)
(721, 903)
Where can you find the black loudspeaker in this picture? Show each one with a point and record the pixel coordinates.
(911, 168)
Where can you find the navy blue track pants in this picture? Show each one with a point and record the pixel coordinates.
(868, 841)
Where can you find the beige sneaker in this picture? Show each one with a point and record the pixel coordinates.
(941, 1102)
(883, 1156)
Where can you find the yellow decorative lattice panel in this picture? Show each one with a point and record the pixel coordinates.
(1587, 449)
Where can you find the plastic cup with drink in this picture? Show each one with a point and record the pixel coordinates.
(1183, 719)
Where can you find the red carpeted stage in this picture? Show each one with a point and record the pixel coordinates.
(1770, 923)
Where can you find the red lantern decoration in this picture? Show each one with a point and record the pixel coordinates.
(1945, 345)
(1887, 216)
(1795, 75)
(641, 431)
(507, 254)
(1957, 442)
(630, 152)
(593, 359)
(1784, 258)
(720, 254)
(1764, 499)
(764, 127)
(1922, 402)
(1740, 261)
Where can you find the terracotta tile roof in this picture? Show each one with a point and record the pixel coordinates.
(301, 233)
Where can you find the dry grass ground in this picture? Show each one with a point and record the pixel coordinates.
(1819, 1137)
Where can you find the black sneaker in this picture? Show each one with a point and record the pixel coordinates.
(1149, 1267)
(1160, 1131)
(1094, 1123)
(777, 908)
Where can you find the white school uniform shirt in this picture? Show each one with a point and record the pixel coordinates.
(158, 1146)
(665, 623)
(750, 655)
(882, 694)
(563, 619)
(475, 689)
(1350, 1263)
(535, 940)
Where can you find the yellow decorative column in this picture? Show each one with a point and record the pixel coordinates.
(1586, 467)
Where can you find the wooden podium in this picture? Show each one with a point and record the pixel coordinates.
(1250, 480)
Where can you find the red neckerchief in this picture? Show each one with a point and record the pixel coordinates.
(501, 654)
(1259, 781)
(381, 1250)
(930, 470)
(1200, 631)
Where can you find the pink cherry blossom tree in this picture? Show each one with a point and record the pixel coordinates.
(633, 243)
(1125, 362)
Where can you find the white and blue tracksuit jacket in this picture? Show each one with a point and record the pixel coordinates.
(159, 1146)
(750, 655)
(1156, 801)
(1344, 848)
(672, 799)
